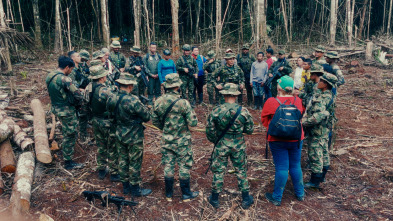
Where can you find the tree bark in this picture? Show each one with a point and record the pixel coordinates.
(37, 26)
(7, 157)
(175, 27)
(21, 189)
(7, 50)
(58, 36)
(147, 20)
(137, 22)
(390, 16)
(6, 128)
(21, 139)
(361, 23)
(349, 20)
(1, 185)
(261, 23)
(284, 13)
(40, 133)
(333, 21)
(104, 23)
(218, 26)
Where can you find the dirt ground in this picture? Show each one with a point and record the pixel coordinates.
(358, 187)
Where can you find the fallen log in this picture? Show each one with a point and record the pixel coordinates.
(40, 133)
(1, 185)
(21, 189)
(7, 157)
(21, 139)
(6, 128)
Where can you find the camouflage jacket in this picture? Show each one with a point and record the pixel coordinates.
(180, 65)
(134, 61)
(175, 127)
(220, 117)
(128, 116)
(97, 100)
(308, 91)
(118, 59)
(226, 74)
(62, 92)
(317, 113)
(79, 76)
(210, 68)
(285, 71)
(335, 69)
(320, 61)
(245, 61)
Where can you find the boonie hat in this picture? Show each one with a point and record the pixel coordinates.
(172, 80)
(281, 52)
(211, 54)
(104, 50)
(230, 89)
(84, 54)
(332, 54)
(317, 69)
(246, 46)
(286, 83)
(97, 72)
(126, 79)
(96, 62)
(330, 79)
(320, 48)
(115, 44)
(98, 54)
(228, 50)
(135, 49)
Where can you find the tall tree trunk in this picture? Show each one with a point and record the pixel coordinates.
(58, 36)
(218, 26)
(384, 16)
(190, 10)
(197, 19)
(37, 26)
(175, 27)
(153, 31)
(241, 22)
(284, 13)
(261, 23)
(333, 21)
(137, 22)
(349, 19)
(290, 19)
(369, 17)
(389, 16)
(104, 23)
(147, 20)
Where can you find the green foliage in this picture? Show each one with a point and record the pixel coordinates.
(24, 74)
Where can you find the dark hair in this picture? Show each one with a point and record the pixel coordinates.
(70, 53)
(270, 51)
(153, 43)
(303, 59)
(308, 61)
(193, 47)
(261, 52)
(65, 62)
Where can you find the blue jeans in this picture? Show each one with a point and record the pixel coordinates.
(257, 89)
(286, 156)
(268, 93)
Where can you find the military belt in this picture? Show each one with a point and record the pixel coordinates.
(130, 123)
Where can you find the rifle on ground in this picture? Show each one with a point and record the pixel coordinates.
(275, 74)
(106, 198)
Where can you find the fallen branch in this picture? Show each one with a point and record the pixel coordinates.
(7, 157)
(40, 133)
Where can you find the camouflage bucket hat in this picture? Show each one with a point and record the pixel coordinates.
(211, 54)
(96, 62)
(97, 72)
(84, 54)
(332, 54)
(166, 52)
(246, 46)
(115, 44)
(135, 49)
(317, 69)
(126, 79)
(172, 80)
(230, 89)
(186, 47)
(98, 54)
(228, 50)
(320, 48)
(229, 55)
(104, 50)
(330, 79)
(281, 52)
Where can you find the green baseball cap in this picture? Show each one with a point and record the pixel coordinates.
(211, 54)
(330, 79)
(97, 72)
(172, 80)
(230, 89)
(126, 79)
(84, 54)
(332, 54)
(115, 44)
(320, 48)
(229, 55)
(186, 47)
(286, 83)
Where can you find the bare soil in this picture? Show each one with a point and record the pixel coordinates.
(358, 187)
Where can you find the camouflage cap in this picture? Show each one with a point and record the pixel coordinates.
(98, 54)
(330, 79)
(135, 49)
(229, 55)
(320, 48)
(104, 50)
(126, 79)
(317, 69)
(228, 50)
(186, 47)
(246, 47)
(166, 52)
(172, 80)
(230, 89)
(97, 71)
(115, 44)
(211, 54)
(96, 62)
(332, 54)
(281, 52)
(84, 54)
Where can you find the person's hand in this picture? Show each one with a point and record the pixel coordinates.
(138, 68)
(211, 61)
(270, 75)
(241, 87)
(185, 70)
(281, 68)
(196, 76)
(155, 76)
(219, 87)
(206, 72)
(262, 84)
(250, 84)
(122, 69)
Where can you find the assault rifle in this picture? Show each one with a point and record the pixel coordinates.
(275, 74)
(117, 69)
(191, 70)
(106, 198)
(143, 75)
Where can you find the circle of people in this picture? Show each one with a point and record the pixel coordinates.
(110, 93)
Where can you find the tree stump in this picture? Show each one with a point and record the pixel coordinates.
(7, 157)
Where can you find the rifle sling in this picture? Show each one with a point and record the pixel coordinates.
(50, 81)
(169, 109)
(229, 125)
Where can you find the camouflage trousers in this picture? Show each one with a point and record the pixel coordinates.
(213, 93)
(83, 115)
(187, 87)
(249, 93)
(69, 122)
(238, 157)
(184, 159)
(104, 135)
(318, 153)
(130, 161)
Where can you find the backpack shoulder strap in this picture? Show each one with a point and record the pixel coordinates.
(278, 100)
(229, 125)
(93, 91)
(50, 81)
(169, 109)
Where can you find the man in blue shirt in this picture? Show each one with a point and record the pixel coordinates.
(200, 60)
(166, 66)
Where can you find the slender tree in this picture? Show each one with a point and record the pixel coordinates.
(147, 20)
(218, 26)
(390, 16)
(104, 22)
(333, 21)
(58, 37)
(6, 49)
(37, 26)
(175, 27)
(261, 23)
(137, 22)
(362, 18)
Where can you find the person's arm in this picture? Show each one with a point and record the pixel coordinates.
(138, 108)
(340, 76)
(211, 131)
(155, 118)
(68, 85)
(122, 61)
(252, 73)
(160, 76)
(287, 68)
(173, 66)
(265, 73)
(319, 113)
(249, 123)
(267, 112)
(241, 79)
(195, 67)
(189, 114)
(179, 65)
(147, 70)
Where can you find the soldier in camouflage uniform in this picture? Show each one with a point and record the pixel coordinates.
(315, 121)
(311, 86)
(184, 71)
(129, 114)
(245, 60)
(176, 137)
(64, 96)
(117, 58)
(282, 68)
(209, 67)
(135, 68)
(319, 58)
(97, 94)
(232, 145)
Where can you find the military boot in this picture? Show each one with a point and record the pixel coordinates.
(185, 189)
(169, 188)
(315, 180)
(137, 191)
(260, 103)
(200, 96)
(324, 171)
(115, 178)
(126, 187)
(70, 164)
(248, 200)
(256, 103)
(213, 200)
(102, 174)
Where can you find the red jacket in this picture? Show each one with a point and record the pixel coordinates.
(269, 109)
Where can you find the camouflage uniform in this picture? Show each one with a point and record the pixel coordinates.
(210, 68)
(64, 96)
(118, 61)
(321, 60)
(140, 87)
(310, 86)
(187, 86)
(129, 134)
(245, 62)
(286, 71)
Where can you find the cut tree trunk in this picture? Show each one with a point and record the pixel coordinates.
(21, 189)
(7, 157)
(369, 51)
(175, 27)
(21, 139)
(6, 128)
(40, 133)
